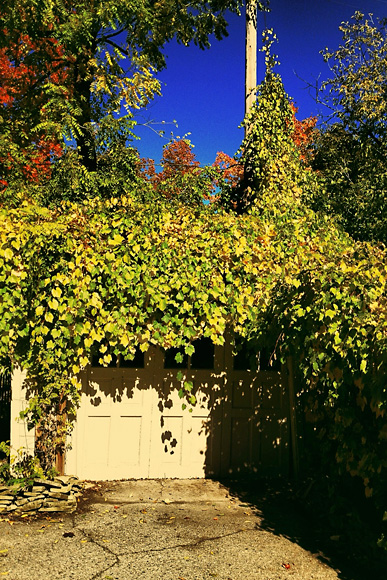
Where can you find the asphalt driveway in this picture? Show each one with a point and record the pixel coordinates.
(164, 530)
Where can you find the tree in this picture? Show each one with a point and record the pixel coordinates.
(25, 149)
(109, 53)
(356, 91)
(183, 180)
(230, 170)
(303, 135)
(351, 150)
(275, 176)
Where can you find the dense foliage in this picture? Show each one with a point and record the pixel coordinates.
(107, 256)
(274, 151)
(81, 68)
(108, 276)
(26, 151)
(351, 149)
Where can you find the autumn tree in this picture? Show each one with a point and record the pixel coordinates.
(26, 148)
(109, 52)
(304, 134)
(182, 179)
(351, 150)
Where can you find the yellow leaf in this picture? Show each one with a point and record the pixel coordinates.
(8, 254)
(49, 317)
(39, 310)
(57, 292)
(116, 241)
(53, 304)
(84, 361)
(124, 340)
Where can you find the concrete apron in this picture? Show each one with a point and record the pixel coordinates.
(156, 530)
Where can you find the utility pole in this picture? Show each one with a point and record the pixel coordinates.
(243, 190)
(251, 55)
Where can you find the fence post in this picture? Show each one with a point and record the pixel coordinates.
(293, 419)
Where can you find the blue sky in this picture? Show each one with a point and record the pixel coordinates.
(204, 90)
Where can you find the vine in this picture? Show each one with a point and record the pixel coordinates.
(110, 276)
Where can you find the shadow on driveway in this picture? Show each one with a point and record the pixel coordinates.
(284, 513)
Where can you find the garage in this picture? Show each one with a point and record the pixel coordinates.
(131, 423)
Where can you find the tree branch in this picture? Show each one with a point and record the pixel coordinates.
(118, 47)
(105, 37)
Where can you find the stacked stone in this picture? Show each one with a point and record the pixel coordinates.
(58, 495)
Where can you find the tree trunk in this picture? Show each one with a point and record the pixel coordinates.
(83, 78)
(82, 96)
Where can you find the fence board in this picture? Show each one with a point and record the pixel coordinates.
(5, 405)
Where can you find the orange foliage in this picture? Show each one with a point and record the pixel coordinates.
(22, 103)
(303, 135)
(231, 170)
(178, 159)
(146, 168)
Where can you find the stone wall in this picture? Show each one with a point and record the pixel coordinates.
(58, 495)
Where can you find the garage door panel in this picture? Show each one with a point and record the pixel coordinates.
(206, 391)
(274, 444)
(125, 447)
(132, 401)
(171, 440)
(133, 391)
(166, 448)
(96, 444)
(242, 394)
(271, 391)
(254, 411)
(206, 395)
(199, 438)
(98, 395)
(240, 443)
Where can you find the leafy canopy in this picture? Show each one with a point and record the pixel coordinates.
(351, 150)
(91, 64)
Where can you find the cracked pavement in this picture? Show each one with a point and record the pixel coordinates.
(160, 529)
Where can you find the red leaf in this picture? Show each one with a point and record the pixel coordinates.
(286, 566)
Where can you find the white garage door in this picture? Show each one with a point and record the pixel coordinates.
(131, 423)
